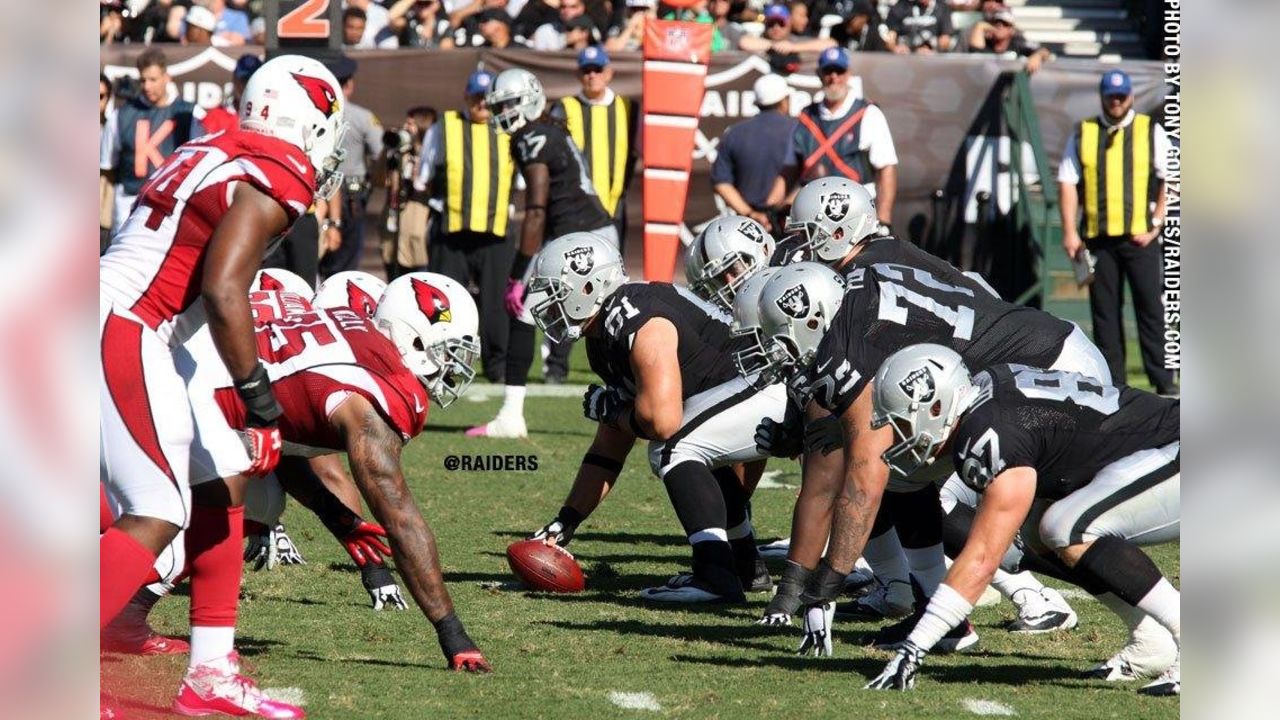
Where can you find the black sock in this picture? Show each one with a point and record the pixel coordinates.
(699, 504)
(1120, 567)
(713, 564)
(737, 507)
(519, 353)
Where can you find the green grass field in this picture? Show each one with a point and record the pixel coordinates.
(309, 629)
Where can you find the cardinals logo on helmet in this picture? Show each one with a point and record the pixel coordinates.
(362, 302)
(432, 301)
(319, 92)
(270, 283)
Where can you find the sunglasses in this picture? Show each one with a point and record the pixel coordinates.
(832, 70)
(775, 23)
(591, 70)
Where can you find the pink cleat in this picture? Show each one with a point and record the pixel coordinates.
(153, 644)
(219, 688)
(502, 426)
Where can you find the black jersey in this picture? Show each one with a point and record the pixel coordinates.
(1064, 425)
(572, 203)
(889, 306)
(705, 345)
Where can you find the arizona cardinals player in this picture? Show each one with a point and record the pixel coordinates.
(184, 258)
(353, 384)
(352, 289)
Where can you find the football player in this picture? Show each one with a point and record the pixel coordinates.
(828, 343)
(559, 199)
(1089, 472)
(665, 357)
(185, 258)
(727, 252)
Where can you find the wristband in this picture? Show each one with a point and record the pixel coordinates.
(602, 462)
(260, 406)
(519, 265)
(452, 636)
(336, 517)
(569, 517)
(946, 610)
(824, 584)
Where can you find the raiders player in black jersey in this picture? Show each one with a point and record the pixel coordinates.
(835, 220)
(1087, 470)
(559, 199)
(666, 358)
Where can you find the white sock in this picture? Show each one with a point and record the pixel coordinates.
(884, 555)
(1007, 583)
(211, 643)
(512, 401)
(928, 566)
(1164, 603)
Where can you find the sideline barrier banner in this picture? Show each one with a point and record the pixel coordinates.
(942, 111)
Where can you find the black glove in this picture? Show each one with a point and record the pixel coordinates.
(561, 530)
(603, 404)
(825, 585)
(823, 435)
(786, 601)
(781, 439)
(900, 673)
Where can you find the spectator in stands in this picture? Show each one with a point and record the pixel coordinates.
(752, 153)
(111, 25)
(800, 24)
(862, 30)
(532, 16)
(920, 26)
(200, 24)
(841, 135)
(231, 26)
(152, 22)
(579, 33)
(377, 32)
(353, 24)
(487, 28)
(551, 35)
(258, 30)
(628, 35)
(418, 23)
(728, 32)
(778, 42)
(998, 34)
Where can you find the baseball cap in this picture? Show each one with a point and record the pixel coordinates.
(1115, 82)
(592, 57)
(246, 66)
(493, 14)
(342, 67)
(1003, 15)
(581, 22)
(834, 57)
(479, 81)
(201, 17)
(777, 13)
(770, 90)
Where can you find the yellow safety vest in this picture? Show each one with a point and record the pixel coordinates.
(604, 138)
(478, 175)
(1117, 177)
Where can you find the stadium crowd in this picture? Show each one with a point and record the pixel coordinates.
(779, 30)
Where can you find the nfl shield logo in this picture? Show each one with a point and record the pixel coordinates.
(581, 259)
(918, 385)
(676, 40)
(794, 302)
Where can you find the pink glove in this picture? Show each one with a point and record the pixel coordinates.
(513, 298)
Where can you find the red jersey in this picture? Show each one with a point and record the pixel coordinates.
(317, 359)
(271, 305)
(155, 263)
(220, 119)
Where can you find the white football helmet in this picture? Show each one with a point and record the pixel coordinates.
(280, 280)
(746, 321)
(797, 305)
(832, 215)
(572, 276)
(732, 244)
(920, 391)
(353, 289)
(298, 100)
(433, 322)
(515, 99)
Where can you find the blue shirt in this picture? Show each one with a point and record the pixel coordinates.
(235, 21)
(751, 154)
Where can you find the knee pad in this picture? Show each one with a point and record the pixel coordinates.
(264, 500)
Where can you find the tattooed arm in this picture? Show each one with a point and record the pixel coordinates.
(373, 449)
(865, 477)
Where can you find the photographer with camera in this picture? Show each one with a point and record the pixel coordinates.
(404, 244)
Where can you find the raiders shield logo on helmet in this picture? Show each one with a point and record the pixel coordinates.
(794, 302)
(581, 259)
(837, 206)
(752, 231)
(918, 385)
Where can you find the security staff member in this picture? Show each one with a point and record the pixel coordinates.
(602, 124)
(143, 132)
(363, 140)
(1114, 164)
(753, 152)
(841, 135)
(468, 169)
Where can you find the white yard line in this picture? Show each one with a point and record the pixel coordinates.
(1075, 594)
(291, 695)
(987, 707)
(479, 392)
(769, 480)
(635, 701)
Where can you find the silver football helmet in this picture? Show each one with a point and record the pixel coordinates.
(832, 215)
(572, 276)
(746, 320)
(797, 305)
(727, 251)
(515, 99)
(920, 391)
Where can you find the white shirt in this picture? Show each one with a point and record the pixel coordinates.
(376, 32)
(875, 138)
(1069, 169)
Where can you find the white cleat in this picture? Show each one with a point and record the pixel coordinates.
(502, 426)
(1151, 651)
(687, 589)
(885, 601)
(1042, 612)
(1169, 682)
(776, 550)
(218, 688)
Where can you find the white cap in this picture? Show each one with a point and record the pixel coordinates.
(771, 90)
(201, 17)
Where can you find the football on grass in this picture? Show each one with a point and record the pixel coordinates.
(545, 567)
